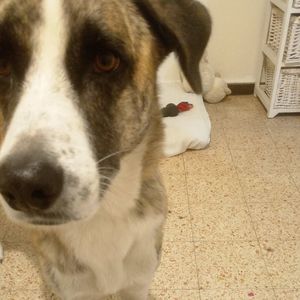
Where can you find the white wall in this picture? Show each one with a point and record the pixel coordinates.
(234, 47)
(238, 26)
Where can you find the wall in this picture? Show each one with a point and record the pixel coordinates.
(234, 48)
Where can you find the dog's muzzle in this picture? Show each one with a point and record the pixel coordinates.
(30, 181)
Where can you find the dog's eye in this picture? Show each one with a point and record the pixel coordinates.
(5, 68)
(106, 62)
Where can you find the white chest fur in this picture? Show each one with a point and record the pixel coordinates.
(117, 246)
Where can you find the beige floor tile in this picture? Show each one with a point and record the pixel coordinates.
(286, 138)
(178, 225)
(233, 265)
(296, 177)
(267, 187)
(285, 122)
(20, 268)
(175, 185)
(229, 294)
(209, 161)
(258, 161)
(178, 267)
(211, 168)
(215, 189)
(290, 157)
(221, 222)
(24, 294)
(245, 104)
(172, 165)
(212, 111)
(246, 121)
(218, 141)
(175, 295)
(287, 294)
(275, 221)
(246, 118)
(245, 139)
(283, 263)
(289, 214)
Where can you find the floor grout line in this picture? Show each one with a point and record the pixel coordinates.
(191, 224)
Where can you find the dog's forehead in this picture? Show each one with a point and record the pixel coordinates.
(20, 17)
(16, 7)
(112, 13)
(116, 17)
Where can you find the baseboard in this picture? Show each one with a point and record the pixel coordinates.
(242, 88)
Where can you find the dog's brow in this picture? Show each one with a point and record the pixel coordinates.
(6, 29)
(100, 35)
(12, 38)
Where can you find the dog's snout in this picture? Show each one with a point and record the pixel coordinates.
(28, 183)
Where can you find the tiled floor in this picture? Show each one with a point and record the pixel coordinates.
(233, 230)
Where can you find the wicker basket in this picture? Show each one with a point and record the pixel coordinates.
(292, 49)
(288, 93)
(269, 70)
(275, 30)
(297, 3)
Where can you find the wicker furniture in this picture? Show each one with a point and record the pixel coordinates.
(278, 83)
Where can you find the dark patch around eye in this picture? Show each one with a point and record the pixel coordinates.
(15, 35)
(17, 56)
(16, 28)
(13, 51)
(84, 46)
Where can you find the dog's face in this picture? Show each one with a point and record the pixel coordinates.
(77, 92)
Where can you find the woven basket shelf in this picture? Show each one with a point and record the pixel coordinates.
(278, 81)
(292, 48)
(288, 92)
(296, 3)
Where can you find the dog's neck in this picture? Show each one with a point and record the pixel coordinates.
(125, 187)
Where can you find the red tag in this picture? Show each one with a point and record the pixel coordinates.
(184, 106)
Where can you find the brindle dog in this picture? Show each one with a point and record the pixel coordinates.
(83, 133)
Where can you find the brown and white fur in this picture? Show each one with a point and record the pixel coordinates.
(93, 138)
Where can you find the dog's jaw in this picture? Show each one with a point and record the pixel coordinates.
(47, 112)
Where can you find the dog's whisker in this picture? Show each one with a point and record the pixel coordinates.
(109, 156)
(106, 177)
(107, 168)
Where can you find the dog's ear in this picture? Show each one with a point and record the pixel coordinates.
(183, 26)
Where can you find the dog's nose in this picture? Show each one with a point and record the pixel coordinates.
(29, 184)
